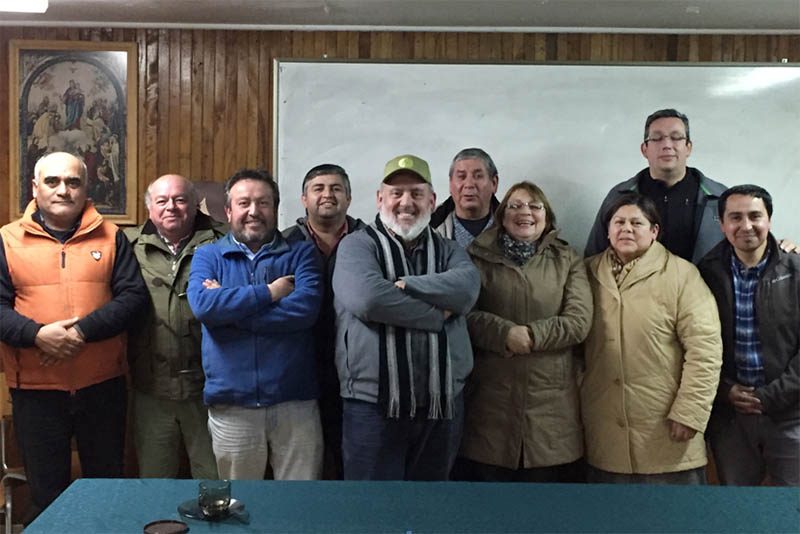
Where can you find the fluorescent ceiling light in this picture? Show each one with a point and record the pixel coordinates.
(24, 6)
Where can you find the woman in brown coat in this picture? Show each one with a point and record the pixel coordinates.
(522, 416)
(652, 357)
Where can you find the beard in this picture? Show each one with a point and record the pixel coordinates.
(407, 233)
(254, 238)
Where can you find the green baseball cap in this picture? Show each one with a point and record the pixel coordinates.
(407, 163)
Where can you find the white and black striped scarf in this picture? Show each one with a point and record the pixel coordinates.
(396, 370)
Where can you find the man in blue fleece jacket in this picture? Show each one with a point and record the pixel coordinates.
(258, 297)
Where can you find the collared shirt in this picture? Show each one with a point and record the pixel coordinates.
(676, 205)
(320, 243)
(747, 344)
(250, 254)
(463, 230)
(177, 247)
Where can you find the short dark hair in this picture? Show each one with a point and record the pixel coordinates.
(260, 175)
(328, 168)
(648, 207)
(748, 190)
(664, 113)
(474, 153)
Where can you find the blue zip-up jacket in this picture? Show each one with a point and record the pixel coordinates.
(256, 352)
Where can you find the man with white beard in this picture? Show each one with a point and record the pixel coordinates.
(401, 293)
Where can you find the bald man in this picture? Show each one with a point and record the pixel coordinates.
(69, 288)
(164, 345)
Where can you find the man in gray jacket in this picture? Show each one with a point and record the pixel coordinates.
(326, 198)
(686, 198)
(401, 293)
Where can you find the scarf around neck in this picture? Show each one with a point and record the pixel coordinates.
(517, 251)
(396, 370)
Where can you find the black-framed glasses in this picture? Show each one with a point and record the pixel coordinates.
(661, 138)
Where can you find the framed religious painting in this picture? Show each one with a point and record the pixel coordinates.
(77, 97)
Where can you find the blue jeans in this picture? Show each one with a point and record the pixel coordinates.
(377, 448)
(46, 420)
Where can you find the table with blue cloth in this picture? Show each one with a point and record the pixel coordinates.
(126, 505)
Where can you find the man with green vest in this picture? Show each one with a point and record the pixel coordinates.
(164, 346)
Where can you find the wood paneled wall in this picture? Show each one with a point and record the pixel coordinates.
(205, 96)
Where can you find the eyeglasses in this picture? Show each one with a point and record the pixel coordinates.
(533, 206)
(662, 138)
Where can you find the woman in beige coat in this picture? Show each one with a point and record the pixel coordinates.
(652, 357)
(521, 407)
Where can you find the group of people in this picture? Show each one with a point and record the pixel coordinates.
(466, 341)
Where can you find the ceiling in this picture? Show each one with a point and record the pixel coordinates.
(717, 16)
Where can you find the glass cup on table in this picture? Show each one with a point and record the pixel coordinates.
(214, 499)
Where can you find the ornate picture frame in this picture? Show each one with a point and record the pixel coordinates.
(78, 97)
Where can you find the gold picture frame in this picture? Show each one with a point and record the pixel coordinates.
(78, 97)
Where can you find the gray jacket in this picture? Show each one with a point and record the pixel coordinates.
(363, 298)
(706, 218)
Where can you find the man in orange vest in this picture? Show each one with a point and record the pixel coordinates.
(69, 286)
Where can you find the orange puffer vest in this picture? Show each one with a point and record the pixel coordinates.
(55, 281)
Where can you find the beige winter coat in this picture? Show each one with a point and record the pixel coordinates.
(653, 354)
(526, 406)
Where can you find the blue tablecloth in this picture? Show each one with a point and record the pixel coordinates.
(122, 506)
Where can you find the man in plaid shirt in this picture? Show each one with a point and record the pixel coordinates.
(755, 426)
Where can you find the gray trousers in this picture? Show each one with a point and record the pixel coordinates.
(748, 447)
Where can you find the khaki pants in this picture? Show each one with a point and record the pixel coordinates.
(160, 426)
(288, 435)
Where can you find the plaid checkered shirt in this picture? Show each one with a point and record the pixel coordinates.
(749, 364)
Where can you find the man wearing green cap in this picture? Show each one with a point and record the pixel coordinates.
(401, 293)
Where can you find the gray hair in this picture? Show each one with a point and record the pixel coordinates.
(190, 190)
(37, 169)
(474, 153)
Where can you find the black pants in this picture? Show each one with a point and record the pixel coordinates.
(46, 420)
(473, 471)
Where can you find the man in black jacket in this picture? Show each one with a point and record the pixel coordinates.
(472, 202)
(755, 424)
(326, 197)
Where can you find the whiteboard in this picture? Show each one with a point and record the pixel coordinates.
(573, 129)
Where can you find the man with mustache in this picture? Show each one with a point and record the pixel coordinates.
(69, 287)
(472, 202)
(258, 297)
(401, 293)
(326, 197)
